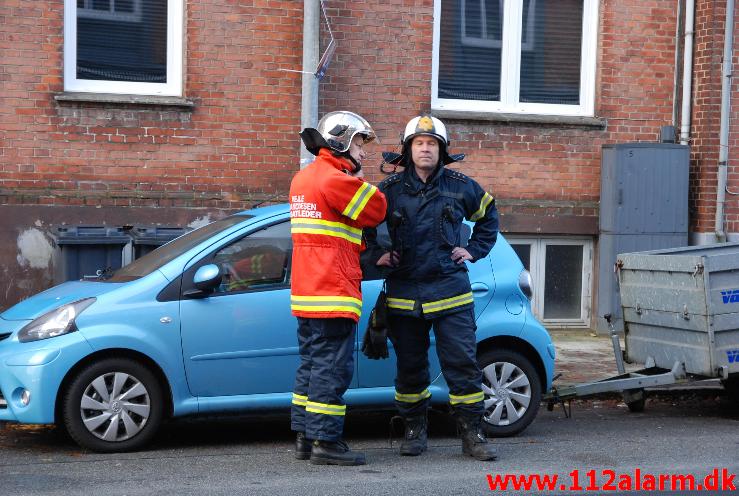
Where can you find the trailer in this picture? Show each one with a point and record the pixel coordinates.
(680, 311)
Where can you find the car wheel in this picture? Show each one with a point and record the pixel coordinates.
(512, 391)
(113, 405)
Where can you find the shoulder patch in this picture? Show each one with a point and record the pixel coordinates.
(455, 175)
(389, 181)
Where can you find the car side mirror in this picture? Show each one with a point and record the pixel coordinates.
(206, 279)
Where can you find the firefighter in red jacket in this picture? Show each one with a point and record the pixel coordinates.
(329, 207)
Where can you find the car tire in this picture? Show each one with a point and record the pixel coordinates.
(511, 406)
(113, 405)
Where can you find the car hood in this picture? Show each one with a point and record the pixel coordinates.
(57, 296)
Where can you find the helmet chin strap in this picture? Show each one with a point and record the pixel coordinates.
(357, 165)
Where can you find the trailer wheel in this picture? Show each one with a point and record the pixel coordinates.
(731, 385)
(635, 399)
(636, 406)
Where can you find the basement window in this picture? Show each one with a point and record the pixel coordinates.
(562, 272)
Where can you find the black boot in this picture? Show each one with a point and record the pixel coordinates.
(335, 453)
(302, 446)
(416, 435)
(474, 442)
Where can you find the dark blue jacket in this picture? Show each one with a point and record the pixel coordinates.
(425, 224)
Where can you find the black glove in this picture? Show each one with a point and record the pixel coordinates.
(374, 344)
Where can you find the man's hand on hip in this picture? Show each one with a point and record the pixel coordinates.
(460, 255)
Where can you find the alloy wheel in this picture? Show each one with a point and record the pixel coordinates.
(115, 406)
(507, 392)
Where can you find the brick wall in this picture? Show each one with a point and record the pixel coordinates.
(383, 71)
(237, 146)
(706, 112)
(732, 205)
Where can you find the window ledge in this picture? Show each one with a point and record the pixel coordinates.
(567, 120)
(171, 101)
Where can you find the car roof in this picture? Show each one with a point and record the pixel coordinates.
(267, 211)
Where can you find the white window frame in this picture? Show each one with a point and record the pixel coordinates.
(484, 41)
(538, 269)
(111, 14)
(173, 87)
(511, 67)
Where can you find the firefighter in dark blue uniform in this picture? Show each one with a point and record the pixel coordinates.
(428, 285)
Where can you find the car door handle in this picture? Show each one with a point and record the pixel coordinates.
(479, 289)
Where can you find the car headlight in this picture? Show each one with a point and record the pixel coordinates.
(526, 283)
(55, 323)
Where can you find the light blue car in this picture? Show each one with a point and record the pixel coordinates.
(203, 325)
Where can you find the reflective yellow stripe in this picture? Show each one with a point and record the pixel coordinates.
(359, 201)
(299, 400)
(326, 228)
(326, 308)
(325, 408)
(412, 398)
(466, 399)
(307, 299)
(457, 301)
(400, 303)
(326, 304)
(484, 202)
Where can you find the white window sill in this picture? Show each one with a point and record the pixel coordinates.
(170, 101)
(570, 120)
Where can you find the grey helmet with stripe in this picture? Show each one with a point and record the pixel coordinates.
(335, 131)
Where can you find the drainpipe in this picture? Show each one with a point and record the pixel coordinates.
(687, 71)
(309, 104)
(723, 154)
(678, 60)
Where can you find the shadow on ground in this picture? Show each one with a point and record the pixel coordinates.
(222, 431)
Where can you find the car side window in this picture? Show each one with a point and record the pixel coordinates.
(257, 262)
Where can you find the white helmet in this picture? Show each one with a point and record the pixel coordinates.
(418, 126)
(336, 130)
(426, 125)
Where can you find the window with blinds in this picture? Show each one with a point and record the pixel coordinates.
(524, 56)
(124, 46)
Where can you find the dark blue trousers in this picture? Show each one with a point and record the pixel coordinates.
(325, 372)
(456, 349)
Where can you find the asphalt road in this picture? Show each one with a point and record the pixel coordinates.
(691, 433)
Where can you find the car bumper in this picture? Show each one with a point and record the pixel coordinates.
(37, 368)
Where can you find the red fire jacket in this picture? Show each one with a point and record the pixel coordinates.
(328, 209)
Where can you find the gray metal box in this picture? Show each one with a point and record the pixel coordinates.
(644, 188)
(682, 304)
(643, 206)
(609, 246)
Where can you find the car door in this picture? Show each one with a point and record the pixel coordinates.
(381, 373)
(242, 338)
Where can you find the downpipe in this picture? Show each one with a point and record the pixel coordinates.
(687, 71)
(723, 154)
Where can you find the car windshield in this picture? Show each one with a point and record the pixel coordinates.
(166, 253)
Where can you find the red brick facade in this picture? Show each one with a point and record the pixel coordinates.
(238, 145)
(709, 34)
